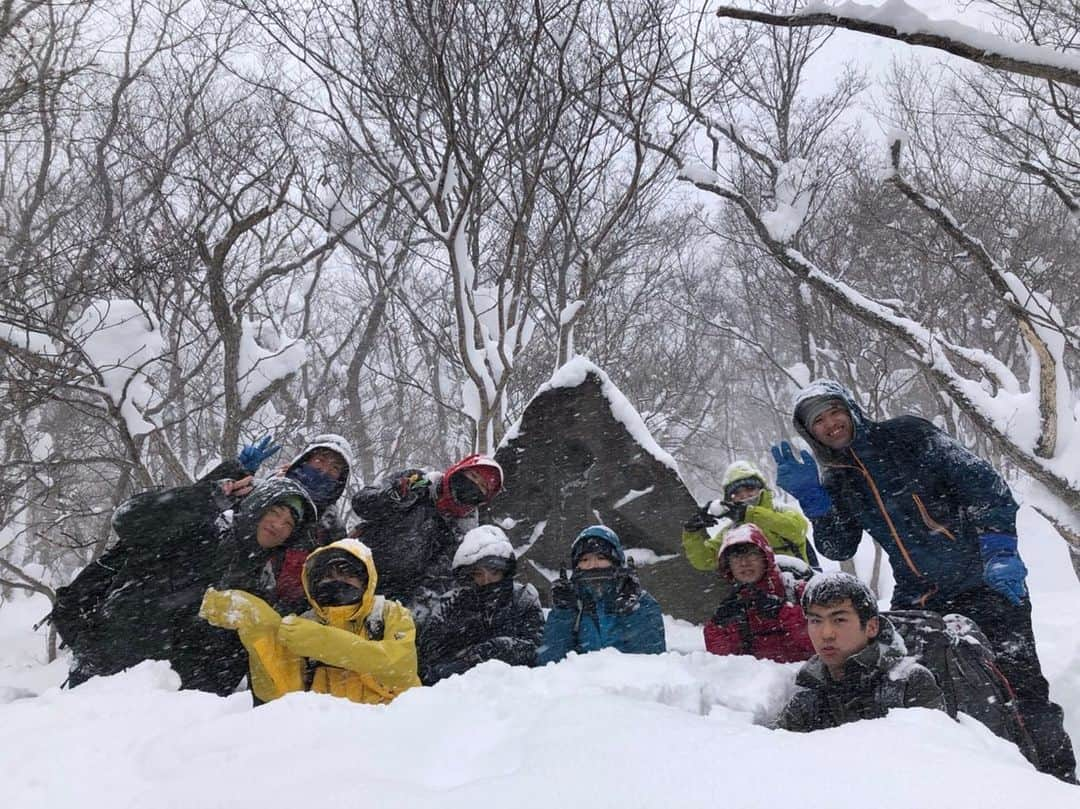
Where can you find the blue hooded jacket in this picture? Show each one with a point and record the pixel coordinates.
(919, 493)
(626, 617)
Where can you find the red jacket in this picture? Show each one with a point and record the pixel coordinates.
(744, 628)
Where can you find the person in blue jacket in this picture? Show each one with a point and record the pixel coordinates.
(946, 519)
(602, 605)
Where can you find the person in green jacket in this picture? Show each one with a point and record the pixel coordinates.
(747, 499)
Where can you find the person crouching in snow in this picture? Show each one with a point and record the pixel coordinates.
(861, 670)
(762, 616)
(490, 617)
(603, 605)
(351, 644)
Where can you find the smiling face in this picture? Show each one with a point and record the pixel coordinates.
(275, 526)
(833, 427)
(836, 633)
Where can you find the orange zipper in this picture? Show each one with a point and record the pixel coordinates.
(885, 514)
(931, 523)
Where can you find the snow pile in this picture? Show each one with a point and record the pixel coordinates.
(260, 367)
(571, 375)
(122, 343)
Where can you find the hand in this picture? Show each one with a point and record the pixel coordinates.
(252, 455)
(1003, 569)
(563, 594)
(801, 480)
(729, 610)
(701, 520)
(235, 609)
(237, 488)
(736, 512)
(768, 605)
(301, 636)
(627, 588)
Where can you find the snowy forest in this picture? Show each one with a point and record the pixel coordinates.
(394, 221)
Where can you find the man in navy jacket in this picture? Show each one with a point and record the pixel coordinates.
(946, 519)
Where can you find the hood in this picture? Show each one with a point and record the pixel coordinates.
(484, 542)
(740, 470)
(604, 533)
(831, 389)
(488, 467)
(335, 443)
(357, 550)
(748, 533)
(267, 493)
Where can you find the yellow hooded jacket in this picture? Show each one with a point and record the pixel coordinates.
(338, 653)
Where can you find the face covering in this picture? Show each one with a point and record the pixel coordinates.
(466, 491)
(598, 582)
(334, 593)
(320, 487)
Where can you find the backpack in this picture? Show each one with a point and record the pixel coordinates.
(959, 656)
(75, 607)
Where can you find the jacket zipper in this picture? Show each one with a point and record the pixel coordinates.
(931, 523)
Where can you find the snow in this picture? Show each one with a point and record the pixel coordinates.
(122, 343)
(791, 206)
(909, 20)
(260, 367)
(604, 729)
(571, 375)
(480, 542)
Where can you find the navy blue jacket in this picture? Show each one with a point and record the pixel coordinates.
(920, 494)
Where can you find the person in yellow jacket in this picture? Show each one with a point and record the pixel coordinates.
(747, 499)
(351, 644)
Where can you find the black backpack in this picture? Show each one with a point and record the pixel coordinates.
(958, 654)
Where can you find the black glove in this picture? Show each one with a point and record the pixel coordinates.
(701, 520)
(736, 512)
(563, 594)
(767, 604)
(730, 609)
(627, 588)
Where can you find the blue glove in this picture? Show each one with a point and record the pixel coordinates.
(801, 480)
(1003, 569)
(252, 455)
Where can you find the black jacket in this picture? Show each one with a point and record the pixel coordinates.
(875, 680)
(470, 625)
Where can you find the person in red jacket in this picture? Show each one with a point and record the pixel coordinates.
(762, 616)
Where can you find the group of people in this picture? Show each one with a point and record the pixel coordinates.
(231, 576)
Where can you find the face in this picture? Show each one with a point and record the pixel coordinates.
(328, 462)
(836, 634)
(833, 428)
(747, 564)
(745, 494)
(592, 561)
(484, 575)
(275, 526)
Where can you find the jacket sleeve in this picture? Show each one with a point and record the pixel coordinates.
(798, 715)
(274, 669)
(391, 660)
(797, 645)
(519, 648)
(922, 691)
(644, 632)
(722, 639)
(989, 502)
(837, 532)
(558, 640)
(700, 549)
(788, 524)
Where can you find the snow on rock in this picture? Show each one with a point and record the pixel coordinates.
(261, 365)
(571, 375)
(123, 343)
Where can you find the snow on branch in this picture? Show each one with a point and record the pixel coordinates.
(897, 20)
(1046, 344)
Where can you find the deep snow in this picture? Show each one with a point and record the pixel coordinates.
(600, 730)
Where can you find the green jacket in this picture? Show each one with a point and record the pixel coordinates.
(785, 527)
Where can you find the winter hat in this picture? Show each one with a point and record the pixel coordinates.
(742, 483)
(459, 495)
(486, 546)
(597, 539)
(810, 408)
(743, 536)
(295, 504)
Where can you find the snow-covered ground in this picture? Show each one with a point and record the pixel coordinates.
(682, 729)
